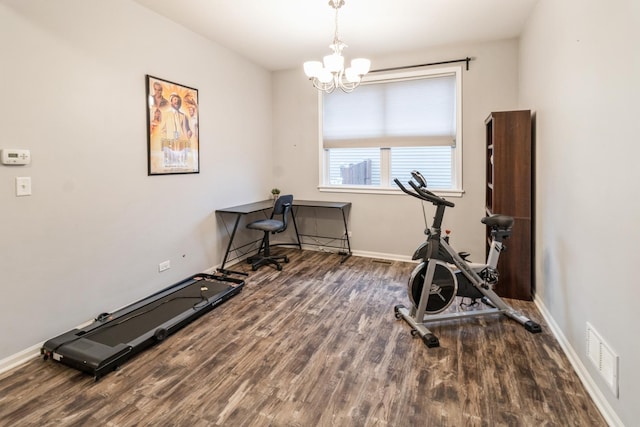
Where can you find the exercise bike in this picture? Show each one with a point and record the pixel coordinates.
(445, 274)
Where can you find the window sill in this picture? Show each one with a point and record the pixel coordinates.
(380, 190)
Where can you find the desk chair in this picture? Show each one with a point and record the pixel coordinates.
(271, 226)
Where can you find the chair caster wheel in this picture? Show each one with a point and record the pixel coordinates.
(279, 267)
(286, 259)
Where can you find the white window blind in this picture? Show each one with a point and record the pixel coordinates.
(387, 128)
(414, 112)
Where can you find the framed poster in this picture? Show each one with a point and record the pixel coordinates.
(172, 128)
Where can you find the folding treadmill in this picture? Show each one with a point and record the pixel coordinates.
(114, 338)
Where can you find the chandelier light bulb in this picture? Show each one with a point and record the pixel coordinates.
(361, 65)
(312, 68)
(351, 75)
(325, 76)
(334, 63)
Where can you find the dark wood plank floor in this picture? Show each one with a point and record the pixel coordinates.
(317, 344)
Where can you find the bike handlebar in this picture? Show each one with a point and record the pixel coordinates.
(424, 194)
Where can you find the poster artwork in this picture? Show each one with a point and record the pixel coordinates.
(172, 128)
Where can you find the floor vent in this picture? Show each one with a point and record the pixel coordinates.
(603, 358)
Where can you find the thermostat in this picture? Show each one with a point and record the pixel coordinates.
(14, 156)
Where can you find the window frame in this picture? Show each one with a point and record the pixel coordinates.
(323, 167)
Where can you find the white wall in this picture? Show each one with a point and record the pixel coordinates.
(392, 225)
(579, 71)
(91, 236)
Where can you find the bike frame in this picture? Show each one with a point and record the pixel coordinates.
(416, 315)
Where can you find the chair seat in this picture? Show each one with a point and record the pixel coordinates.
(270, 225)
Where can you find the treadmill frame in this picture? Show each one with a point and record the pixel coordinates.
(76, 349)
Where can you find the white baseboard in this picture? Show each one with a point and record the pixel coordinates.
(589, 384)
(385, 256)
(364, 254)
(18, 359)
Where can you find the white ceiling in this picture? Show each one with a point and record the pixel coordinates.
(282, 34)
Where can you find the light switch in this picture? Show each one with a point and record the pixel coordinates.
(23, 186)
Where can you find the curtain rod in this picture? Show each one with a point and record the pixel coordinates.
(467, 59)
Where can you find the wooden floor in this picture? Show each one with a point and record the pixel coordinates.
(317, 344)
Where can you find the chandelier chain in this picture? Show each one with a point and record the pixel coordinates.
(336, 39)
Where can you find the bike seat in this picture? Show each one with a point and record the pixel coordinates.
(501, 222)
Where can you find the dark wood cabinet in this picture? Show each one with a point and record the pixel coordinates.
(509, 191)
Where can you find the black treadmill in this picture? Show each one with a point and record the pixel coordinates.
(113, 338)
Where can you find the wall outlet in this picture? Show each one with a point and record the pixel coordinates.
(164, 266)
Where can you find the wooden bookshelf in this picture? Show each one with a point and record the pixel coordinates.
(509, 191)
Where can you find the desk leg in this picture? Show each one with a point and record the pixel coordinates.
(226, 254)
(346, 234)
(295, 226)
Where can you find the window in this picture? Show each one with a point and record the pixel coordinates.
(391, 125)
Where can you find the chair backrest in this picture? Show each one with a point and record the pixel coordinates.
(282, 207)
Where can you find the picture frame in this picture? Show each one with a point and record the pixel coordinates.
(173, 128)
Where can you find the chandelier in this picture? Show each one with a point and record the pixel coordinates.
(330, 73)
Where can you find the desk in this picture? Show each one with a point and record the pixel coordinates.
(342, 206)
(241, 210)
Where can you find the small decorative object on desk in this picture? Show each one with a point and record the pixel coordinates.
(275, 193)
